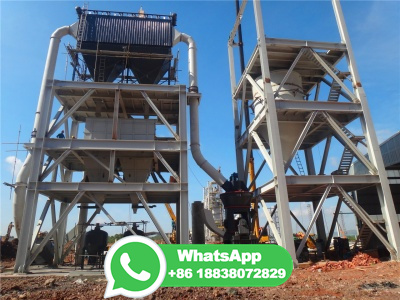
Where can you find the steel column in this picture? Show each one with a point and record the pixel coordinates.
(281, 192)
(384, 193)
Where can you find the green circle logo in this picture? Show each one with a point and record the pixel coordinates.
(135, 267)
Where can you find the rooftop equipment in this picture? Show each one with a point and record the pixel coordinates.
(111, 42)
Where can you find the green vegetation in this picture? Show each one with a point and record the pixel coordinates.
(114, 238)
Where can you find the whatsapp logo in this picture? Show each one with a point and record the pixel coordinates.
(135, 267)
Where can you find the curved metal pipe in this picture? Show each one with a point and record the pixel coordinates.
(40, 124)
(194, 112)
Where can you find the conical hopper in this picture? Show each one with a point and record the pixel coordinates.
(289, 134)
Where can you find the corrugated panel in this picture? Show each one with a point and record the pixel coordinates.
(390, 150)
(128, 30)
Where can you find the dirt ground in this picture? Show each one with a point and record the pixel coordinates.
(378, 281)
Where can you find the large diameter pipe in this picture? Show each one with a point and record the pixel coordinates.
(194, 112)
(42, 116)
(195, 145)
(192, 58)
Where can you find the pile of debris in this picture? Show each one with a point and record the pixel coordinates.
(360, 259)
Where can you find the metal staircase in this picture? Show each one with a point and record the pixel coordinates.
(310, 55)
(346, 160)
(334, 92)
(364, 236)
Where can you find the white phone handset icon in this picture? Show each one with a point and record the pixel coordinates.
(125, 260)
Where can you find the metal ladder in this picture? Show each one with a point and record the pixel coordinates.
(81, 31)
(299, 164)
(102, 69)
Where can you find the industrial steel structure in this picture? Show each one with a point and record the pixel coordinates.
(120, 92)
(368, 198)
(282, 81)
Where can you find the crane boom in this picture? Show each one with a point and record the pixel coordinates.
(171, 212)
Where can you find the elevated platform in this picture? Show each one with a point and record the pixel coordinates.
(311, 188)
(74, 161)
(282, 53)
(101, 102)
(112, 192)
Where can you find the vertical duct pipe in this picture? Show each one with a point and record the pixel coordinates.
(194, 113)
(41, 120)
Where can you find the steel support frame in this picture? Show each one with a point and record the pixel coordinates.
(40, 143)
(183, 207)
(384, 192)
(271, 222)
(274, 142)
(313, 220)
(358, 106)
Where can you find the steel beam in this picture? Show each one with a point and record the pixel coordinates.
(281, 192)
(236, 126)
(69, 113)
(183, 221)
(239, 86)
(159, 115)
(111, 172)
(40, 222)
(100, 205)
(313, 219)
(294, 63)
(300, 139)
(304, 44)
(77, 238)
(53, 223)
(301, 226)
(56, 117)
(384, 192)
(153, 218)
(271, 223)
(264, 231)
(54, 228)
(257, 174)
(54, 165)
(119, 145)
(167, 166)
(263, 150)
(334, 220)
(114, 135)
(347, 142)
(333, 75)
(309, 106)
(356, 208)
(325, 155)
(108, 187)
(237, 22)
(80, 85)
